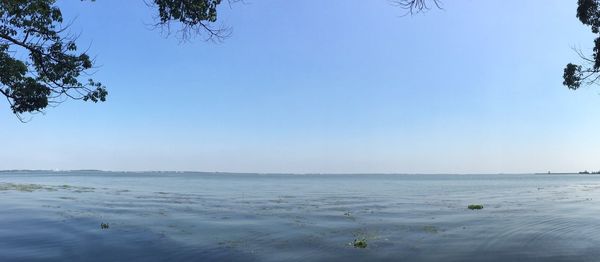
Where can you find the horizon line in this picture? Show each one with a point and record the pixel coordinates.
(287, 173)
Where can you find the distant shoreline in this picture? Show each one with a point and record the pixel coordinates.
(270, 173)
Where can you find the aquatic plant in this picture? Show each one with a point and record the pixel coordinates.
(103, 225)
(360, 243)
(430, 229)
(23, 187)
(474, 207)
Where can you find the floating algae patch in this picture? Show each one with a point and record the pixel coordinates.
(67, 198)
(83, 190)
(475, 207)
(360, 243)
(37, 187)
(76, 189)
(24, 187)
(362, 237)
(430, 229)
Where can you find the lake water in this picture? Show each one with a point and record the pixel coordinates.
(56, 216)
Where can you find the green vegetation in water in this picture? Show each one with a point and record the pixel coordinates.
(104, 226)
(22, 187)
(36, 187)
(475, 207)
(430, 229)
(360, 243)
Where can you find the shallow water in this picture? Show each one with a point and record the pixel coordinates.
(56, 216)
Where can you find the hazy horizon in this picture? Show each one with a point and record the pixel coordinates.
(283, 173)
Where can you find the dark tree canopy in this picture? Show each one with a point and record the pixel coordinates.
(41, 64)
(575, 75)
(193, 17)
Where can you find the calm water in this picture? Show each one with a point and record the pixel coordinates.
(251, 217)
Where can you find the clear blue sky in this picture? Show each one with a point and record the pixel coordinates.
(325, 86)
